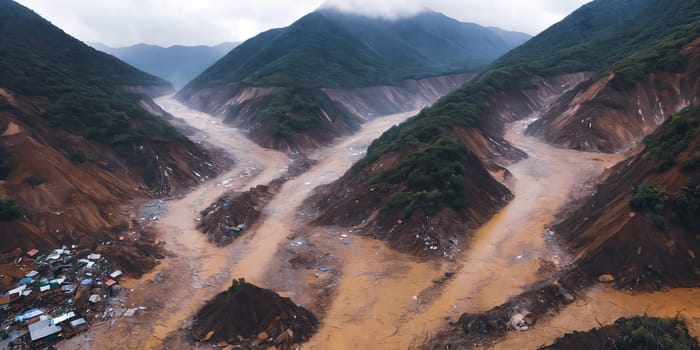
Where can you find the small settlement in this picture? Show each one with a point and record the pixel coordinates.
(62, 291)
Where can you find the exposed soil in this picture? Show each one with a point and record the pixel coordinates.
(601, 117)
(86, 189)
(234, 214)
(253, 318)
(196, 270)
(240, 105)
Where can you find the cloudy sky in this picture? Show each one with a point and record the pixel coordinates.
(208, 22)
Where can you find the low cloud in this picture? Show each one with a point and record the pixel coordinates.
(208, 22)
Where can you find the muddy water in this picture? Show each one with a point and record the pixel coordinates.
(198, 270)
(379, 304)
(281, 218)
(603, 305)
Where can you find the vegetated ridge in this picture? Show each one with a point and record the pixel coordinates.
(177, 64)
(79, 138)
(622, 45)
(275, 83)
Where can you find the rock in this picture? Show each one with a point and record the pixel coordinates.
(569, 298)
(208, 336)
(222, 344)
(607, 278)
(263, 336)
(517, 322)
(530, 319)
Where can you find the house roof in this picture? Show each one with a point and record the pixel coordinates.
(33, 252)
(43, 329)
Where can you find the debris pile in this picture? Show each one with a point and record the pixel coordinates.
(232, 213)
(248, 316)
(59, 292)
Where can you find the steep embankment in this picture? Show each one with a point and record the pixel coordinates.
(628, 39)
(79, 138)
(421, 226)
(313, 116)
(641, 225)
(288, 85)
(608, 116)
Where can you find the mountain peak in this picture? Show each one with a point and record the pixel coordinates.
(375, 9)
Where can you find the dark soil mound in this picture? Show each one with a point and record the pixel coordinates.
(253, 317)
(222, 220)
(635, 333)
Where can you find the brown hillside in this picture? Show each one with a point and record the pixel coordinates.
(602, 117)
(80, 187)
(644, 247)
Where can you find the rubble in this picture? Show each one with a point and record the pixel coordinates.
(54, 299)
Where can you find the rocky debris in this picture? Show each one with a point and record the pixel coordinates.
(65, 288)
(251, 317)
(517, 314)
(233, 213)
(606, 278)
(632, 333)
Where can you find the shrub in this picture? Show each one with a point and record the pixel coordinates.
(686, 204)
(77, 157)
(34, 181)
(693, 162)
(4, 170)
(649, 197)
(673, 138)
(236, 284)
(8, 209)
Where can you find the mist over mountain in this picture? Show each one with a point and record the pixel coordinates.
(177, 64)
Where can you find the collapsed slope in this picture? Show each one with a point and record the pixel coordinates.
(641, 224)
(277, 84)
(530, 81)
(80, 138)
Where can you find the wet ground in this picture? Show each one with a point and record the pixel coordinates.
(376, 298)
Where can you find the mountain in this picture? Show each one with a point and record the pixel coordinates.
(275, 83)
(80, 138)
(176, 64)
(643, 220)
(638, 51)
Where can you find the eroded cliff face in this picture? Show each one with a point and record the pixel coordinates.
(607, 118)
(73, 190)
(371, 102)
(649, 245)
(358, 198)
(340, 115)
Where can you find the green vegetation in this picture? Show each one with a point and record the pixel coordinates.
(433, 176)
(84, 87)
(651, 198)
(693, 162)
(603, 35)
(34, 181)
(673, 138)
(76, 157)
(686, 205)
(4, 170)
(8, 209)
(648, 333)
(334, 50)
(294, 111)
(236, 284)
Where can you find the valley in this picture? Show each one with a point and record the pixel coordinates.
(354, 181)
(379, 298)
